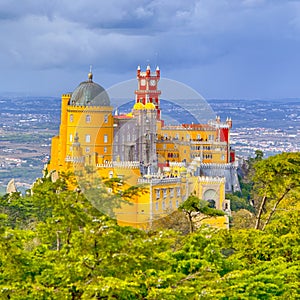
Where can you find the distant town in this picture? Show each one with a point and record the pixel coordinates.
(28, 123)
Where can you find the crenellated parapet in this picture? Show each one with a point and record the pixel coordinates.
(217, 166)
(120, 164)
(211, 180)
(158, 181)
(75, 159)
(177, 164)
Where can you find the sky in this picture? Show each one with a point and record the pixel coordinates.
(226, 49)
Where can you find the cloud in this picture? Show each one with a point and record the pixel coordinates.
(117, 35)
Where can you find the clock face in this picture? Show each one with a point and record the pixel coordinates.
(152, 82)
(143, 82)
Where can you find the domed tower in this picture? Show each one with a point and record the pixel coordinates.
(87, 114)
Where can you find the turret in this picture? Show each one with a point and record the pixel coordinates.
(229, 122)
(157, 72)
(148, 71)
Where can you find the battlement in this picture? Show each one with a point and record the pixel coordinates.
(217, 166)
(177, 164)
(74, 159)
(67, 95)
(158, 181)
(209, 179)
(120, 164)
(89, 109)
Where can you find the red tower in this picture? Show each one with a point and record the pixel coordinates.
(147, 91)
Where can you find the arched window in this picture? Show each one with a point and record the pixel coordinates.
(211, 196)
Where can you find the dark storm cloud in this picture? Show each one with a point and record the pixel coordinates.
(241, 39)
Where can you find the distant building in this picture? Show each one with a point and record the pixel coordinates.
(172, 162)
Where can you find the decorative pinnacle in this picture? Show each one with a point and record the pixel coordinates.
(90, 75)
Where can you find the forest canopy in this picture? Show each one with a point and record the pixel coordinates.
(55, 245)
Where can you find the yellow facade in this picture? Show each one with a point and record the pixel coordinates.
(89, 132)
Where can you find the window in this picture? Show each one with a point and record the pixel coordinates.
(164, 205)
(111, 173)
(178, 192)
(71, 138)
(165, 193)
(198, 136)
(157, 192)
(177, 203)
(105, 149)
(105, 118)
(87, 118)
(177, 136)
(87, 138)
(105, 138)
(71, 118)
(188, 137)
(223, 157)
(87, 149)
(156, 205)
(165, 146)
(128, 137)
(117, 138)
(171, 193)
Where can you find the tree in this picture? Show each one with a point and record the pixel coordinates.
(275, 179)
(193, 205)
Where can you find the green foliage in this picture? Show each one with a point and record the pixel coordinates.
(239, 202)
(194, 205)
(276, 179)
(54, 244)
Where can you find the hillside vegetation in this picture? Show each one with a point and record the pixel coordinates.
(55, 245)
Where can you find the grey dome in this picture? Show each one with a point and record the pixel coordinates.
(89, 93)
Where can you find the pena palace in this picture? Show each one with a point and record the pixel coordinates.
(171, 162)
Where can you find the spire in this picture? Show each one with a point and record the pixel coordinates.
(90, 75)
